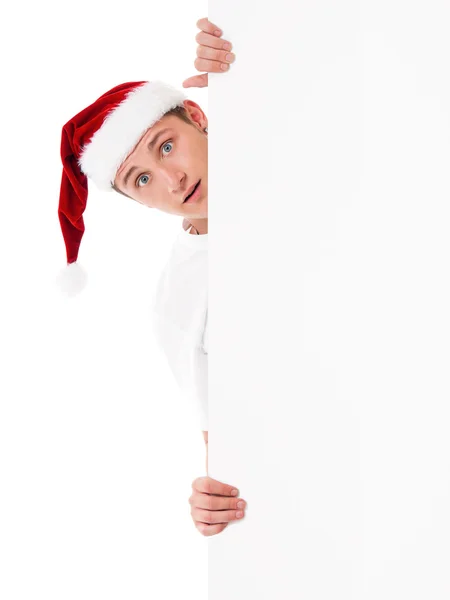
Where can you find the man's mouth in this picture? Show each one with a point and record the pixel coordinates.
(192, 193)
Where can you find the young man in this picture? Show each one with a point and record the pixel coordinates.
(147, 141)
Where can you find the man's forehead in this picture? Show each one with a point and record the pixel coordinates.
(151, 132)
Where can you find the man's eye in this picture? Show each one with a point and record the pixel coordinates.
(140, 179)
(168, 143)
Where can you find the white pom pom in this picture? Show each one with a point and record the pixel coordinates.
(72, 279)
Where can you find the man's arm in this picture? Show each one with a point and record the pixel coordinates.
(205, 437)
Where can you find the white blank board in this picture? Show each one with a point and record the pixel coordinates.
(329, 300)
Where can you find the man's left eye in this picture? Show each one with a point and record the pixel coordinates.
(166, 144)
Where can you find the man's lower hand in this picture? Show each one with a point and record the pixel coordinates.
(213, 506)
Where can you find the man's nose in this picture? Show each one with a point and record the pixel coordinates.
(173, 178)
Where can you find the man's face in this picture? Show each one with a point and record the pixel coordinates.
(162, 175)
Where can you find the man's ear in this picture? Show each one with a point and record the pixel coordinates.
(195, 113)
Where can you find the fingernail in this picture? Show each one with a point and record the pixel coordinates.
(239, 514)
(227, 46)
(241, 504)
(234, 492)
(229, 57)
(218, 32)
(224, 66)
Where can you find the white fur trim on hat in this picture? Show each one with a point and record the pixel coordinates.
(123, 127)
(71, 280)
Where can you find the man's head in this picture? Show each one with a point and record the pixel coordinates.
(112, 134)
(161, 176)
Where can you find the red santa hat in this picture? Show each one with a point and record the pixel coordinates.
(94, 144)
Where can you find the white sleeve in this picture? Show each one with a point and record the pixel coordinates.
(200, 387)
(188, 363)
(205, 334)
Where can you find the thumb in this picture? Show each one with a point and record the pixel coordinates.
(199, 81)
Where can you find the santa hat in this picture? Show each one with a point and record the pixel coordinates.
(94, 144)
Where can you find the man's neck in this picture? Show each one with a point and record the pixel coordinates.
(201, 226)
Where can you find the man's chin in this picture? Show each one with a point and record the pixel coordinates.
(198, 209)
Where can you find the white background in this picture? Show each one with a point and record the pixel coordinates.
(329, 323)
(98, 449)
(329, 295)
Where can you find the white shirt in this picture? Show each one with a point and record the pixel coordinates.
(180, 311)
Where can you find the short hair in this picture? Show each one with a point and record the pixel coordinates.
(181, 113)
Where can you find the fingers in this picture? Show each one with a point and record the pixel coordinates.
(209, 502)
(213, 506)
(206, 25)
(196, 81)
(208, 485)
(211, 55)
(215, 516)
(206, 529)
(211, 66)
(205, 39)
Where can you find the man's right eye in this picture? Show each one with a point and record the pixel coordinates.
(140, 178)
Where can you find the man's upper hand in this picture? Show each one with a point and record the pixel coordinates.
(212, 54)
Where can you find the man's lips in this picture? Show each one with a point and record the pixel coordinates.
(191, 189)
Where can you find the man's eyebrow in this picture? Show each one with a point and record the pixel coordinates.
(150, 147)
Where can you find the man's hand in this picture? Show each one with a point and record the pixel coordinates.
(213, 54)
(213, 506)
